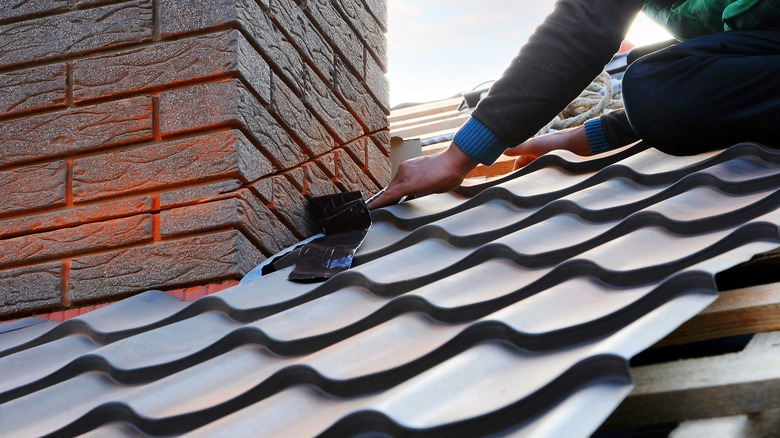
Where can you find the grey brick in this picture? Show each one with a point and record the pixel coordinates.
(300, 120)
(318, 183)
(378, 9)
(366, 28)
(168, 264)
(377, 84)
(31, 187)
(229, 104)
(95, 236)
(33, 89)
(304, 35)
(212, 55)
(31, 288)
(293, 207)
(20, 8)
(361, 104)
(76, 215)
(336, 30)
(76, 130)
(244, 213)
(184, 16)
(378, 164)
(333, 114)
(76, 32)
(351, 177)
(219, 154)
(199, 193)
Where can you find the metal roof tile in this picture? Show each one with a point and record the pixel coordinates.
(511, 307)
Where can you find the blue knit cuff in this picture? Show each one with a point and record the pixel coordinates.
(479, 143)
(596, 138)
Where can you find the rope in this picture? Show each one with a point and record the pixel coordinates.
(437, 139)
(603, 94)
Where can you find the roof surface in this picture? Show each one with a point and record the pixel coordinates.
(511, 307)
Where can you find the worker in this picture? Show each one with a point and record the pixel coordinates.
(717, 87)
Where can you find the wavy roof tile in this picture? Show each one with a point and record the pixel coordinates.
(511, 307)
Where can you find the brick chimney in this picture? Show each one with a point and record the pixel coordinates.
(164, 144)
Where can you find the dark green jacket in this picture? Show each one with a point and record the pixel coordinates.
(687, 19)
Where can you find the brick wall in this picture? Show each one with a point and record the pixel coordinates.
(161, 144)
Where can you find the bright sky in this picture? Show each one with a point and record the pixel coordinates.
(439, 48)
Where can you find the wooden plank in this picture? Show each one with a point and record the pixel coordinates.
(752, 309)
(425, 109)
(425, 130)
(710, 387)
(445, 115)
(502, 166)
(763, 424)
(717, 427)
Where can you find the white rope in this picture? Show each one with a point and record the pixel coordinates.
(599, 97)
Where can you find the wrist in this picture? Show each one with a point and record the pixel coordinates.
(479, 142)
(458, 160)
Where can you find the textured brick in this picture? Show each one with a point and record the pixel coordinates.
(74, 216)
(21, 8)
(357, 150)
(317, 183)
(378, 9)
(76, 130)
(76, 32)
(366, 28)
(297, 177)
(263, 226)
(377, 84)
(377, 164)
(184, 16)
(367, 111)
(327, 163)
(173, 263)
(220, 154)
(351, 177)
(294, 208)
(382, 140)
(33, 89)
(152, 67)
(69, 241)
(207, 192)
(91, 2)
(333, 114)
(26, 188)
(229, 104)
(304, 35)
(300, 120)
(30, 288)
(244, 213)
(284, 199)
(337, 31)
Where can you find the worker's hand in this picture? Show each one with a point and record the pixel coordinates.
(424, 175)
(573, 139)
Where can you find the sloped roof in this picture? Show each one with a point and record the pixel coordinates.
(510, 307)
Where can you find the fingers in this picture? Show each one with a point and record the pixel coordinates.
(387, 196)
(516, 151)
(522, 161)
(425, 175)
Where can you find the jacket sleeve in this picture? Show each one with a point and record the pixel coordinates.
(564, 54)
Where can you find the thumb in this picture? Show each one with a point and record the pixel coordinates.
(522, 161)
(517, 151)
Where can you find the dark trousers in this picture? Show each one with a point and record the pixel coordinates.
(702, 94)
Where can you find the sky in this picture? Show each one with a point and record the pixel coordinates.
(440, 48)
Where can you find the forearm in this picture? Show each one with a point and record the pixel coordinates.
(560, 59)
